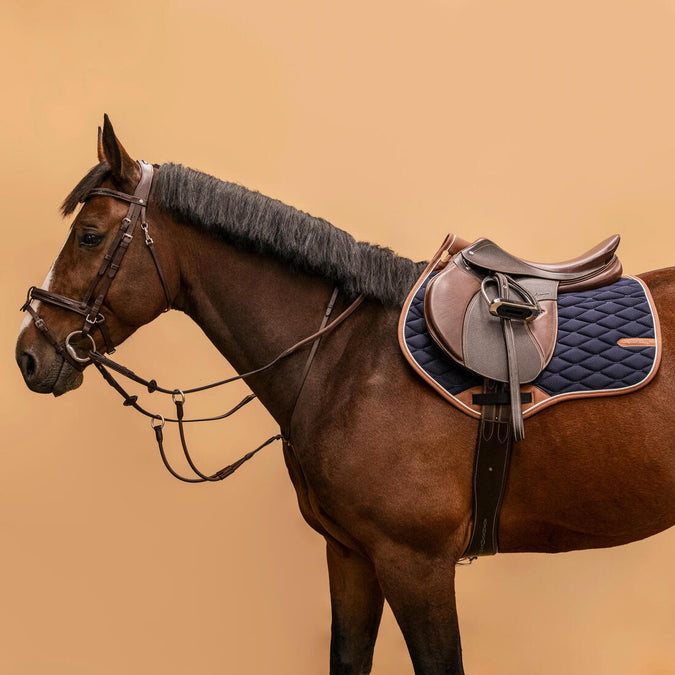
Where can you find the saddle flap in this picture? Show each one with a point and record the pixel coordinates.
(460, 322)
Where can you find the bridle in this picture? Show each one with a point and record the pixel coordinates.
(90, 308)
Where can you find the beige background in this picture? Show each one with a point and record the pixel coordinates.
(545, 125)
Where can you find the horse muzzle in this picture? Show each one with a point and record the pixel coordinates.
(44, 371)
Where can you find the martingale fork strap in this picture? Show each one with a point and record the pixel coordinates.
(178, 396)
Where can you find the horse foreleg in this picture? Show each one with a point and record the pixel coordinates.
(356, 602)
(421, 593)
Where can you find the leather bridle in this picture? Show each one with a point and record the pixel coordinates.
(90, 308)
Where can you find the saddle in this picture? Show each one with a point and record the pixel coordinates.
(496, 314)
(495, 335)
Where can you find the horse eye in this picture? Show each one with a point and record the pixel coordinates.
(90, 239)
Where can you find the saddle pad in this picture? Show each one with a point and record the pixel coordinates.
(608, 343)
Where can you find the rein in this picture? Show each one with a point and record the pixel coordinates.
(90, 308)
(178, 396)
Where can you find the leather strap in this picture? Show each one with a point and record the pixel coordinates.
(178, 396)
(312, 354)
(90, 309)
(512, 364)
(152, 385)
(491, 469)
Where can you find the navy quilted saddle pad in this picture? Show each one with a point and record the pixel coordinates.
(606, 344)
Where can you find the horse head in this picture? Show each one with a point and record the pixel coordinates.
(100, 288)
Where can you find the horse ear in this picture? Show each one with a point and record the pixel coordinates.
(125, 171)
(99, 146)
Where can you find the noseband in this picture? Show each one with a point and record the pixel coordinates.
(90, 307)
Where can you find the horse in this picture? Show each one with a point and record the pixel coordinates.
(382, 466)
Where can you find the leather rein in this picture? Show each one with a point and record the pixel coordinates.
(90, 308)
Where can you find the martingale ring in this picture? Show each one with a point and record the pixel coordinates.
(71, 349)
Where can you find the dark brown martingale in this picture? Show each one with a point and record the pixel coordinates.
(382, 465)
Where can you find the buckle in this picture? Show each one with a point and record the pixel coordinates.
(98, 319)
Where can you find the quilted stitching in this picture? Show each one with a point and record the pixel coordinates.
(586, 356)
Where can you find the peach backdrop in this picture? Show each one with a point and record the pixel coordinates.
(544, 125)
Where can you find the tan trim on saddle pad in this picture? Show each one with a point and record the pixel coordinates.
(540, 399)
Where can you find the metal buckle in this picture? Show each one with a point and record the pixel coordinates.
(160, 421)
(71, 349)
(148, 239)
(98, 319)
(175, 394)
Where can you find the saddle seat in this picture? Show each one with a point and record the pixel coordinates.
(496, 314)
(597, 267)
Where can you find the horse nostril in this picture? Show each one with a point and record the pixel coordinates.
(28, 365)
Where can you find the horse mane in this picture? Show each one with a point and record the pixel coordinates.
(254, 222)
(93, 179)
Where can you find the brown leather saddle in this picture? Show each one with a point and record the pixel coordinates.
(496, 314)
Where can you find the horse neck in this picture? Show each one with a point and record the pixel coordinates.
(251, 307)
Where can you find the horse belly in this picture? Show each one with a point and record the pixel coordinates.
(592, 474)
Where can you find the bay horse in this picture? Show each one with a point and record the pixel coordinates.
(382, 466)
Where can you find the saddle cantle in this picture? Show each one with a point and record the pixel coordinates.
(496, 314)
